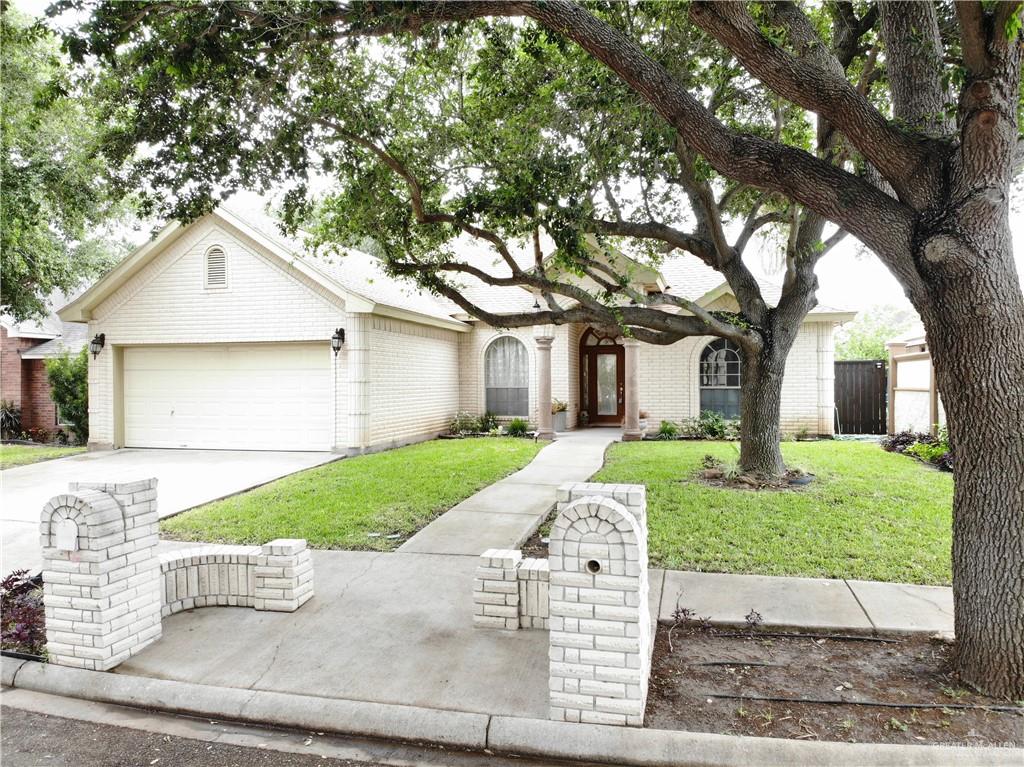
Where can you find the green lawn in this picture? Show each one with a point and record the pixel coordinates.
(20, 455)
(869, 515)
(338, 505)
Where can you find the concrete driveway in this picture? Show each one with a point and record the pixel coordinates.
(187, 478)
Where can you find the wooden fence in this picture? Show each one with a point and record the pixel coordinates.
(860, 397)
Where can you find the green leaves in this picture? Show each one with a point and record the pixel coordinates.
(55, 194)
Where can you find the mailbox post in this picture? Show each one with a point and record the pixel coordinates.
(600, 626)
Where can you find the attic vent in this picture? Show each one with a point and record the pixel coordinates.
(216, 267)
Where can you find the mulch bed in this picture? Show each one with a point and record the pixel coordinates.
(706, 663)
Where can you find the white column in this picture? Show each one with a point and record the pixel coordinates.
(631, 425)
(544, 430)
(357, 347)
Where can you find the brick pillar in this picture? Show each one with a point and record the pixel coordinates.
(101, 577)
(357, 348)
(544, 430)
(284, 576)
(631, 425)
(600, 623)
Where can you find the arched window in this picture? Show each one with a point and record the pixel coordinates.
(720, 378)
(507, 377)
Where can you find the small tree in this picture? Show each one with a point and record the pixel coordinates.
(69, 388)
(865, 338)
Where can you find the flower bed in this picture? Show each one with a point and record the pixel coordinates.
(934, 450)
(23, 625)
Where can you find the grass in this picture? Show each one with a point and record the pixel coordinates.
(22, 455)
(869, 514)
(338, 506)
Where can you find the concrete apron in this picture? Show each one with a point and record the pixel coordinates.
(475, 731)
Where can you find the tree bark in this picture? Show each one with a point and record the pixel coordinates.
(975, 325)
(760, 406)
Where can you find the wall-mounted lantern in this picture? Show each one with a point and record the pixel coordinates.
(97, 343)
(337, 340)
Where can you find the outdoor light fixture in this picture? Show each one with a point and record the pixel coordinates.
(536, 302)
(97, 343)
(337, 340)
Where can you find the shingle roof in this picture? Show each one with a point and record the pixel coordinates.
(72, 339)
(363, 274)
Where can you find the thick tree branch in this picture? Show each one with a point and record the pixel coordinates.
(815, 80)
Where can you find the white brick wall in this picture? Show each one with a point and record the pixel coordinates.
(414, 381)
(166, 303)
(670, 389)
(564, 368)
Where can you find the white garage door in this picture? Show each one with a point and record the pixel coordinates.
(238, 397)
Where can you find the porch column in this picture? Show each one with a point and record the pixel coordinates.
(544, 340)
(357, 347)
(631, 424)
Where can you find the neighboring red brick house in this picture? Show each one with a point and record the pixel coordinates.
(24, 348)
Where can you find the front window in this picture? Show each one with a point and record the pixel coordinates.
(720, 378)
(507, 377)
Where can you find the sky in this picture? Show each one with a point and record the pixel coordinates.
(850, 276)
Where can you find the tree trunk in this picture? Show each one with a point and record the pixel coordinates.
(760, 406)
(975, 324)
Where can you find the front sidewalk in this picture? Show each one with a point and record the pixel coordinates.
(503, 515)
(398, 629)
(387, 649)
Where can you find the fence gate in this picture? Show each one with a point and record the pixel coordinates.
(860, 397)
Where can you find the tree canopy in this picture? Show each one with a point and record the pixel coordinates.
(55, 199)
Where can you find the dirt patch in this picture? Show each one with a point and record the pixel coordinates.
(536, 545)
(715, 473)
(712, 679)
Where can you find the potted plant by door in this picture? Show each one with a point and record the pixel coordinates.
(643, 420)
(558, 410)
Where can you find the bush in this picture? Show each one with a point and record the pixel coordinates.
(711, 424)
(557, 406)
(899, 442)
(517, 427)
(23, 625)
(69, 388)
(668, 430)
(464, 423)
(925, 447)
(488, 422)
(10, 419)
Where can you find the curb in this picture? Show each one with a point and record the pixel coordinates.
(479, 732)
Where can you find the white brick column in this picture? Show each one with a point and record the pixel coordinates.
(102, 586)
(631, 424)
(357, 348)
(544, 430)
(600, 623)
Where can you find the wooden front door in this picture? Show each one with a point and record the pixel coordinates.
(603, 361)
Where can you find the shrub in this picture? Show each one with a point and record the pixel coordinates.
(10, 419)
(488, 422)
(711, 424)
(933, 450)
(23, 625)
(464, 423)
(557, 406)
(69, 388)
(517, 427)
(668, 430)
(899, 442)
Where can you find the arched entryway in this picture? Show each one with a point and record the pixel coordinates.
(602, 378)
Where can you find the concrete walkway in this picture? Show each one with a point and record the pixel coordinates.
(397, 629)
(505, 514)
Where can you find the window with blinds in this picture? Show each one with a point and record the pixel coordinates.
(507, 377)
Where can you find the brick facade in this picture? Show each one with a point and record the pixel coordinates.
(24, 383)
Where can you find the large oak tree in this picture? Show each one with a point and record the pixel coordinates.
(932, 201)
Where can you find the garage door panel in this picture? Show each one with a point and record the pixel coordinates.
(266, 397)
